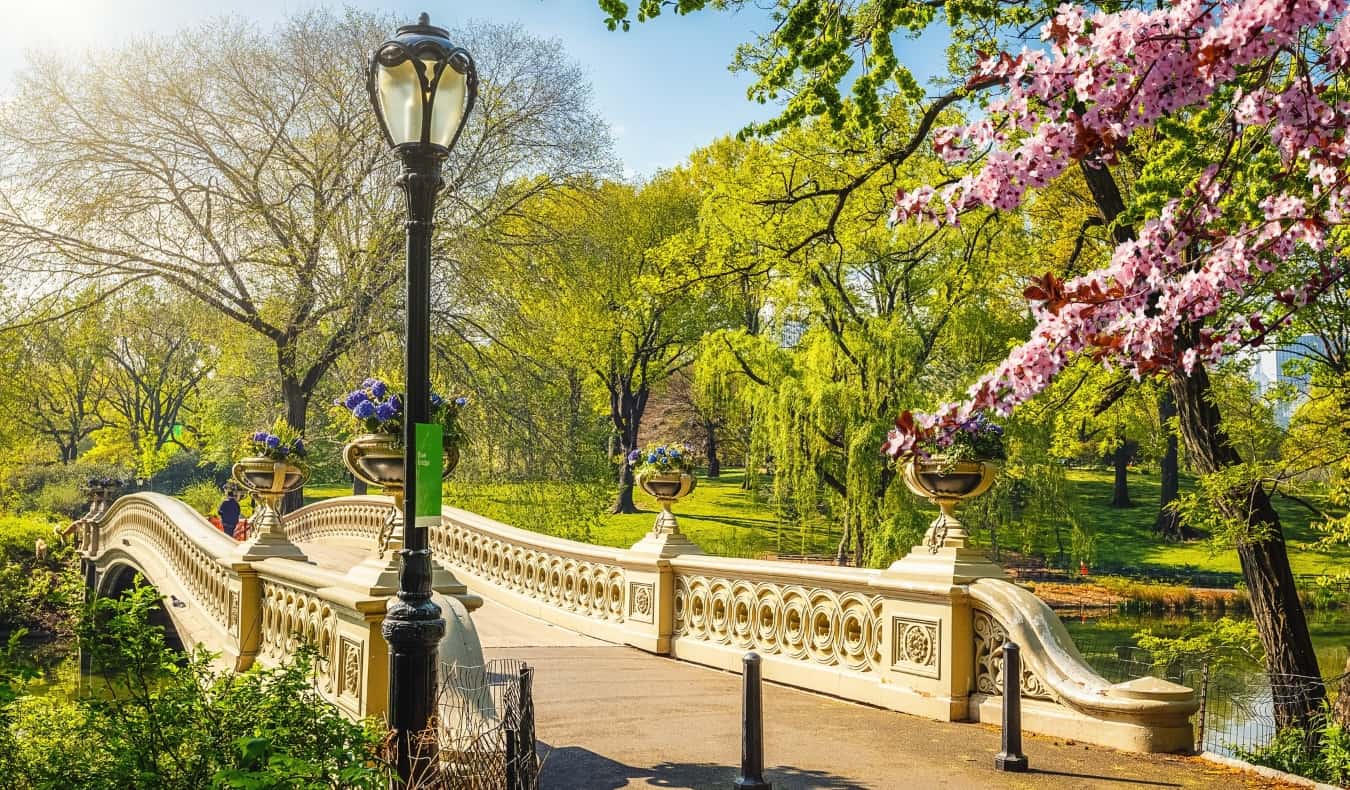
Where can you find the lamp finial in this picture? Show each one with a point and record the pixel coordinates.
(424, 18)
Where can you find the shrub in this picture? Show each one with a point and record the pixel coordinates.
(40, 595)
(64, 498)
(161, 722)
(23, 490)
(564, 510)
(204, 496)
(1289, 751)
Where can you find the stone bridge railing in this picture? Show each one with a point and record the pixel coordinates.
(918, 637)
(901, 639)
(246, 611)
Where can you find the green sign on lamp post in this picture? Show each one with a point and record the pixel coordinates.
(427, 497)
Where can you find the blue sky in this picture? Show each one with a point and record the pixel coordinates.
(664, 86)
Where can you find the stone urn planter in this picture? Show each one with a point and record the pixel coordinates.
(945, 484)
(269, 480)
(667, 488)
(377, 459)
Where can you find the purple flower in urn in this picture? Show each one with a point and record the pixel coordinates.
(364, 410)
(272, 441)
(385, 412)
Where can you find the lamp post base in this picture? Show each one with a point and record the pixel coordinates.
(1012, 763)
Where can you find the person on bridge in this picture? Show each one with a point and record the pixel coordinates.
(229, 513)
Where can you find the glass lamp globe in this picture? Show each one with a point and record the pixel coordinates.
(422, 87)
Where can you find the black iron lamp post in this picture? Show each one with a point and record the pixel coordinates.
(423, 88)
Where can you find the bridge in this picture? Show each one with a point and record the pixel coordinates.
(921, 637)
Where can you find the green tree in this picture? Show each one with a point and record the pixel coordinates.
(244, 169)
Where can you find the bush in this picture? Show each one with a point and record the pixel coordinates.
(204, 496)
(63, 498)
(163, 723)
(24, 490)
(34, 594)
(1289, 751)
(572, 511)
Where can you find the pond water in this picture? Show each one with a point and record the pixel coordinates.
(1239, 712)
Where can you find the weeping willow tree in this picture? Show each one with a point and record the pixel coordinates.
(858, 321)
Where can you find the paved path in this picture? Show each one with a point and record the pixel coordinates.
(612, 717)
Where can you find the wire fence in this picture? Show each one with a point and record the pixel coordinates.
(486, 727)
(1239, 706)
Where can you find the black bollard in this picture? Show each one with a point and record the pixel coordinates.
(1011, 758)
(752, 731)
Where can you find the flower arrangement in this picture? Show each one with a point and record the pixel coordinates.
(375, 408)
(279, 443)
(974, 439)
(658, 458)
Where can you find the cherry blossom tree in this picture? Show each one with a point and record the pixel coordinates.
(1259, 212)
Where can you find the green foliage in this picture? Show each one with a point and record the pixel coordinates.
(1289, 751)
(161, 722)
(38, 487)
(570, 510)
(40, 595)
(203, 496)
(1217, 644)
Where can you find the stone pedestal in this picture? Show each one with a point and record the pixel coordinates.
(378, 572)
(267, 538)
(666, 540)
(952, 565)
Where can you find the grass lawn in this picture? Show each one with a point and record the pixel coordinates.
(719, 516)
(1125, 538)
(722, 518)
(728, 520)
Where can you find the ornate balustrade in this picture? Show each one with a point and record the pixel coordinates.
(353, 520)
(902, 638)
(174, 548)
(603, 592)
(915, 637)
(301, 604)
(1063, 695)
(260, 610)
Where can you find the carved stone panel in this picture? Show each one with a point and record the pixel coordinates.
(232, 623)
(989, 636)
(350, 685)
(916, 646)
(640, 601)
(829, 627)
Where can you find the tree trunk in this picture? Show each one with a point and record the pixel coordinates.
(358, 486)
(1120, 491)
(296, 401)
(710, 447)
(1291, 662)
(1168, 524)
(1341, 713)
(626, 410)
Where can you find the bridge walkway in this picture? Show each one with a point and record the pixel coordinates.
(639, 650)
(610, 716)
